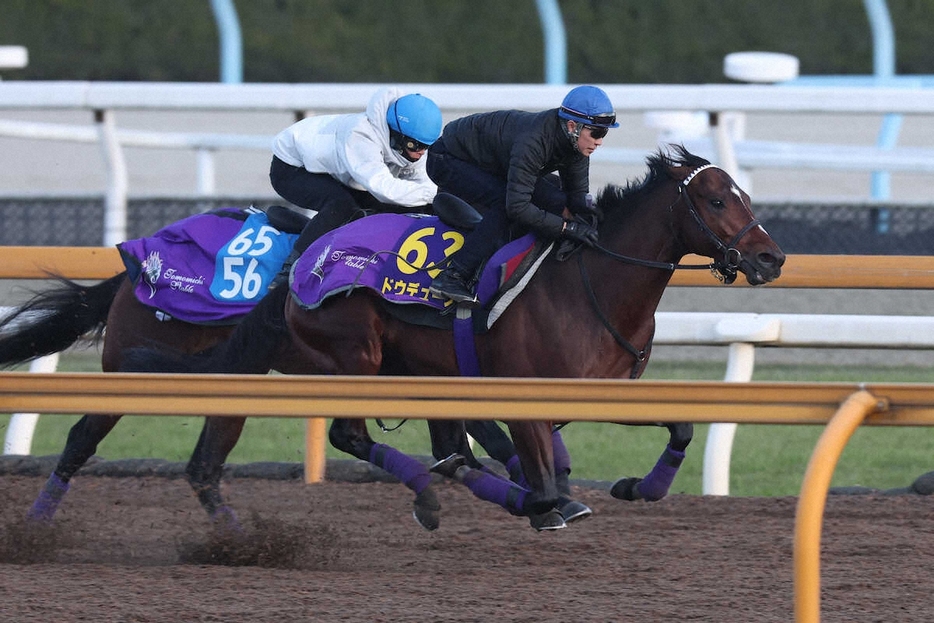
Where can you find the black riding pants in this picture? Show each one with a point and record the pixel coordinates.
(335, 203)
(487, 192)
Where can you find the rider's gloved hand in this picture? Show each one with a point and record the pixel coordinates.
(580, 232)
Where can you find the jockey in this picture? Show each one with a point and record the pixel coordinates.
(504, 162)
(342, 165)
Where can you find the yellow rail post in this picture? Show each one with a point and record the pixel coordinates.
(814, 488)
(315, 439)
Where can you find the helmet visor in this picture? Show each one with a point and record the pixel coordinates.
(606, 120)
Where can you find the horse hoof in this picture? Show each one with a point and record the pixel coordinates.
(625, 489)
(427, 511)
(448, 467)
(572, 511)
(225, 521)
(552, 520)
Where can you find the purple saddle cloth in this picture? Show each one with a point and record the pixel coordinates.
(209, 268)
(395, 256)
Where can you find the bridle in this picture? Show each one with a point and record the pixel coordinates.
(732, 257)
(724, 269)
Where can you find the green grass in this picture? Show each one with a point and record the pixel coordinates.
(768, 460)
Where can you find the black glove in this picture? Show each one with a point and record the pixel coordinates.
(580, 232)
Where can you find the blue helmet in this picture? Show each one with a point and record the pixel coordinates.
(415, 117)
(588, 105)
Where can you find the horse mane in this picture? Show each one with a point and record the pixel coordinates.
(660, 164)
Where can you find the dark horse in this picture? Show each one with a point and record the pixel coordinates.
(592, 317)
(55, 319)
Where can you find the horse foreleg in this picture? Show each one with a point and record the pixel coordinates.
(218, 437)
(500, 447)
(81, 445)
(536, 454)
(352, 437)
(657, 482)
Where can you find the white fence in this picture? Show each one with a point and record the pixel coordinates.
(721, 105)
(743, 332)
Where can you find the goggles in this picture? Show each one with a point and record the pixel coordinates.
(400, 141)
(597, 132)
(410, 144)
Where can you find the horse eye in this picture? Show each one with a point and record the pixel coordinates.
(717, 203)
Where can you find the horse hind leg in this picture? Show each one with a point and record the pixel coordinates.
(351, 436)
(81, 445)
(218, 437)
(657, 482)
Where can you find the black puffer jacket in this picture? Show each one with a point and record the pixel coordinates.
(520, 147)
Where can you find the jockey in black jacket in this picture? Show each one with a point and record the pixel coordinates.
(504, 162)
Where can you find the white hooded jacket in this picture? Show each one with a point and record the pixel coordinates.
(354, 149)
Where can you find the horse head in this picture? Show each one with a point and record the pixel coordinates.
(720, 222)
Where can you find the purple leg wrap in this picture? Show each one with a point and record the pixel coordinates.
(655, 486)
(515, 471)
(43, 509)
(562, 457)
(225, 517)
(411, 472)
(494, 489)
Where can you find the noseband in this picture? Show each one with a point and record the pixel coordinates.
(725, 269)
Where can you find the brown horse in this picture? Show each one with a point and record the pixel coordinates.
(592, 317)
(58, 317)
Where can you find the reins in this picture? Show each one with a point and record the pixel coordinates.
(639, 355)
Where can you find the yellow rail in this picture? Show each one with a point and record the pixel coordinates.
(456, 398)
(814, 487)
(800, 271)
(70, 262)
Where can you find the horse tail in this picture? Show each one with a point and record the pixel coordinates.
(53, 320)
(250, 349)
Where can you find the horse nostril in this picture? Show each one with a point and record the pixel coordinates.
(769, 259)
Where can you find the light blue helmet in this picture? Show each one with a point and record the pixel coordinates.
(415, 117)
(588, 105)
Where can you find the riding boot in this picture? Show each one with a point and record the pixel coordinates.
(453, 284)
(282, 277)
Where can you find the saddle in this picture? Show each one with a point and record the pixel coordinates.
(397, 255)
(211, 268)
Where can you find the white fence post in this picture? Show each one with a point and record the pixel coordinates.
(22, 425)
(117, 179)
(206, 177)
(719, 447)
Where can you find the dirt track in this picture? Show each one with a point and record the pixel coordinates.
(127, 549)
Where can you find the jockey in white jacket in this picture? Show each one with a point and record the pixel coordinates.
(343, 166)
